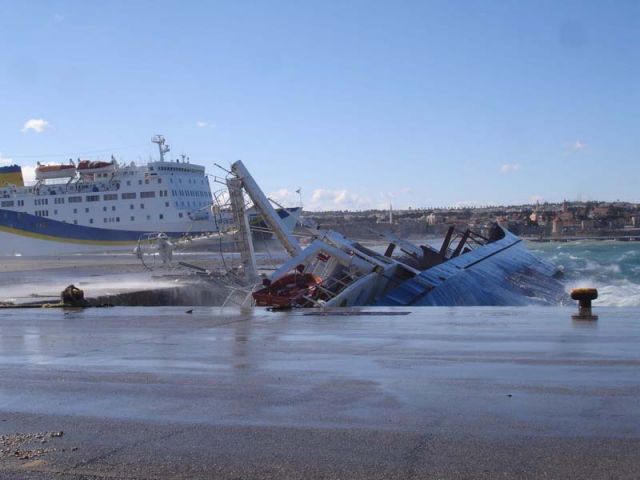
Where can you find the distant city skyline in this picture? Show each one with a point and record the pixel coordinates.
(359, 104)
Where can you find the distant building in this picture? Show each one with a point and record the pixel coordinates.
(434, 219)
(565, 216)
(600, 212)
(587, 225)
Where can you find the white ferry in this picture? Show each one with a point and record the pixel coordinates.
(92, 206)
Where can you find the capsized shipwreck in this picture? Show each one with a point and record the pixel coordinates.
(469, 269)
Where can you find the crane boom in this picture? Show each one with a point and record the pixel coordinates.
(263, 205)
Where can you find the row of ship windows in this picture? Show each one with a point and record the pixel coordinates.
(131, 219)
(188, 193)
(41, 213)
(88, 198)
(10, 203)
(146, 181)
(45, 213)
(87, 210)
(175, 169)
(189, 181)
(106, 197)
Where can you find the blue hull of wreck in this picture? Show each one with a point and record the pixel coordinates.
(503, 272)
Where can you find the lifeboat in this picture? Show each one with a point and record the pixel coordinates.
(87, 167)
(289, 291)
(45, 172)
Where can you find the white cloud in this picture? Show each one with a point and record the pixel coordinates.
(395, 194)
(201, 124)
(467, 204)
(286, 197)
(5, 161)
(324, 199)
(338, 199)
(38, 125)
(578, 146)
(510, 167)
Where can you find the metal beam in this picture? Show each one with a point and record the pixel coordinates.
(461, 244)
(269, 214)
(247, 255)
(446, 242)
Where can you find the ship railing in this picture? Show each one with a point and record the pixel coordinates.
(331, 287)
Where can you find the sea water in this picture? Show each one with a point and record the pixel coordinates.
(610, 266)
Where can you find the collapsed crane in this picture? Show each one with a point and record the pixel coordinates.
(241, 180)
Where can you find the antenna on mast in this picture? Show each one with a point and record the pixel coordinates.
(162, 146)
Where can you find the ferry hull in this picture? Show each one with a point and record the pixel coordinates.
(13, 244)
(30, 235)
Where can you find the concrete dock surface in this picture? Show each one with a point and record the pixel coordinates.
(154, 393)
(41, 279)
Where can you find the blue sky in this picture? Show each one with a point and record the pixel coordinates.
(360, 103)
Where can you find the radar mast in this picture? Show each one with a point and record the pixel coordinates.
(162, 146)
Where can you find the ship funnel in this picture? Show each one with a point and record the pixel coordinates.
(11, 175)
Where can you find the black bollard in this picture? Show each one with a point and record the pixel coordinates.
(72, 296)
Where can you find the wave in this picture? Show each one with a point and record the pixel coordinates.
(619, 294)
(611, 267)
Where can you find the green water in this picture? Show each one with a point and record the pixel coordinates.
(612, 267)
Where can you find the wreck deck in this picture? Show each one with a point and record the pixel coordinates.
(375, 393)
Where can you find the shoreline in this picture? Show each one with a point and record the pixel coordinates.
(617, 238)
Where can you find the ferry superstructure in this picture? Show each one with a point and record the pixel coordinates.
(103, 206)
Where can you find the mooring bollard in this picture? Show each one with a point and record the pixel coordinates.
(584, 297)
(72, 296)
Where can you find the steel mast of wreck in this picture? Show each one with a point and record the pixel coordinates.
(242, 180)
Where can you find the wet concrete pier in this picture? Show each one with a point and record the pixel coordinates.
(427, 393)
(121, 278)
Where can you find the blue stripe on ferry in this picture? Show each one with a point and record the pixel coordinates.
(27, 224)
(30, 224)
